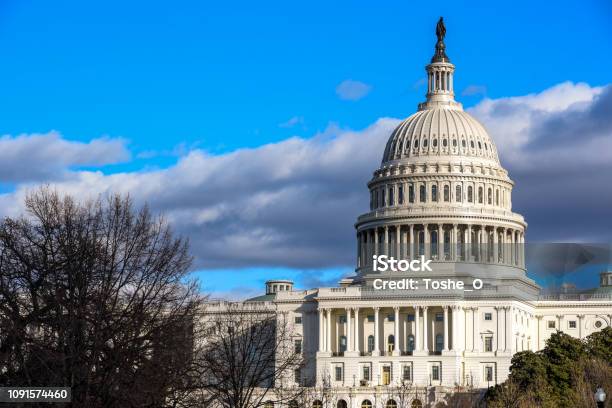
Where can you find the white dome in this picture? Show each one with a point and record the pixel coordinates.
(440, 131)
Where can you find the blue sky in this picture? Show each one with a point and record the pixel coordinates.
(224, 74)
(164, 80)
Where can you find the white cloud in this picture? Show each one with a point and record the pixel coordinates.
(526, 131)
(293, 203)
(48, 156)
(351, 90)
(279, 204)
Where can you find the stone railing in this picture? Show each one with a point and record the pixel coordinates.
(577, 296)
(435, 211)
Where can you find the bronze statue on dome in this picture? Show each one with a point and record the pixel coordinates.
(440, 30)
(440, 54)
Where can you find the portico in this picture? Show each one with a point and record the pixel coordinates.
(398, 330)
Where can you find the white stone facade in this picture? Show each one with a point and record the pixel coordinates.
(440, 192)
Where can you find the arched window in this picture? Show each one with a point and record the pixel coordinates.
(470, 194)
(370, 343)
(400, 194)
(341, 404)
(416, 143)
(444, 142)
(439, 341)
(416, 404)
(446, 193)
(463, 143)
(458, 197)
(434, 193)
(480, 195)
(422, 193)
(391, 404)
(410, 193)
(317, 404)
(479, 145)
(391, 343)
(472, 144)
(342, 344)
(425, 143)
(435, 143)
(411, 342)
(366, 404)
(489, 196)
(454, 142)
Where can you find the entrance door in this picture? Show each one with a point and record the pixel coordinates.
(386, 377)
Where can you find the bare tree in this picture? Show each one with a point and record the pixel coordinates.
(94, 296)
(402, 393)
(246, 354)
(324, 392)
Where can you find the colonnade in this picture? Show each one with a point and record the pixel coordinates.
(443, 242)
(440, 80)
(461, 330)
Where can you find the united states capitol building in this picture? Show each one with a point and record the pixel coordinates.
(442, 194)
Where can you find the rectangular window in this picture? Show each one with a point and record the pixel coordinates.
(411, 193)
(488, 373)
(406, 373)
(342, 319)
(488, 343)
(338, 373)
(366, 372)
(488, 316)
(298, 320)
(572, 324)
(297, 346)
(410, 318)
(551, 324)
(371, 318)
(342, 344)
(435, 373)
(297, 376)
(386, 375)
(439, 317)
(400, 195)
(390, 317)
